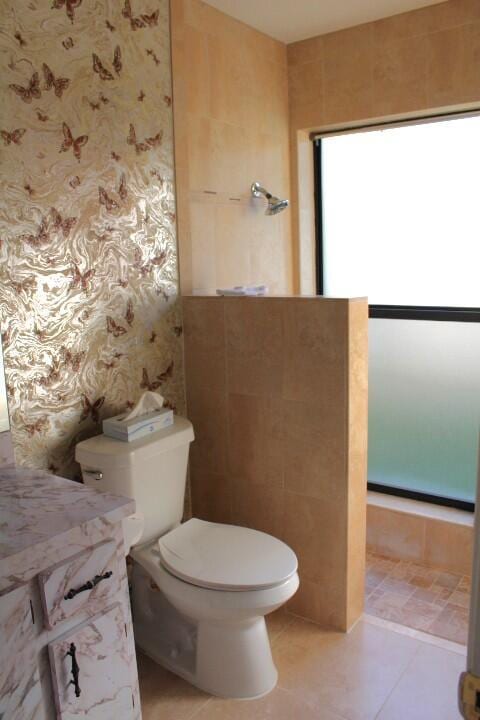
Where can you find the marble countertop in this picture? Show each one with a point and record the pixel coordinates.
(39, 511)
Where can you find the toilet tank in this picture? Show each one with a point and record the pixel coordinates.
(151, 470)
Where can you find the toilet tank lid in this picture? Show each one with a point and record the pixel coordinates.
(104, 452)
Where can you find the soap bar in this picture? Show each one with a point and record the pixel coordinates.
(127, 430)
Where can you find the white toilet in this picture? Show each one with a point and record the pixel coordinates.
(200, 590)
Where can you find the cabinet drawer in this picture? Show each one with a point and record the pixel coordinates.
(97, 650)
(86, 582)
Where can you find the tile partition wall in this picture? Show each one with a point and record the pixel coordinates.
(231, 128)
(411, 64)
(277, 393)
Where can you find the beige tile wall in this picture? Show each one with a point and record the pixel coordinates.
(433, 542)
(277, 393)
(231, 128)
(411, 64)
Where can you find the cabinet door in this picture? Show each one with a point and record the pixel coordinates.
(99, 651)
(20, 689)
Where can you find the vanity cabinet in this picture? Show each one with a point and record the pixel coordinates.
(66, 638)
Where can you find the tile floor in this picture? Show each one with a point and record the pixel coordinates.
(433, 601)
(379, 671)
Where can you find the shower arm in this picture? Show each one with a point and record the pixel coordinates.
(258, 191)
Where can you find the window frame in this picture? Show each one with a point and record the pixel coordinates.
(393, 312)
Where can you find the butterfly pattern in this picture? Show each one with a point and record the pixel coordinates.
(129, 314)
(154, 57)
(81, 280)
(100, 69)
(113, 328)
(41, 237)
(139, 21)
(20, 39)
(73, 360)
(145, 383)
(58, 84)
(91, 408)
(78, 200)
(69, 5)
(14, 137)
(63, 224)
(110, 203)
(37, 427)
(160, 379)
(32, 90)
(70, 142)
(148, 144)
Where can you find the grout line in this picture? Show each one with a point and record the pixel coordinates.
(200, 708)
(291, 618)
(402, 675)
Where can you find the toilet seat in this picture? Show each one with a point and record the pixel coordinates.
(226, 557)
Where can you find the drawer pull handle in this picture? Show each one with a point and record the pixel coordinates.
(75, 669)
(88, 585)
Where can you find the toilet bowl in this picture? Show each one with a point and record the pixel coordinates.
(200, 590)
(223, 610)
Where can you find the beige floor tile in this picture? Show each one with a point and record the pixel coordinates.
(165, 696)
(459, 597)
(428, 689)
(448, 580)
(435, 596)
(349, 674)
(452, 624)
(278, 705)
(374, 576)
(399, 587)
(418, 597)
(419, 614)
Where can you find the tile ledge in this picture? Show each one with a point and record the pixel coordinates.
(415, 634)
(422, 509)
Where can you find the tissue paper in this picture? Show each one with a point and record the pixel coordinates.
(148, 416)
(149, 402)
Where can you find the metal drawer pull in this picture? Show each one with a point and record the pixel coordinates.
(96, 474)
(88, 585)
(75, 670)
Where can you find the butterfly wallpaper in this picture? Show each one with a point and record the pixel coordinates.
(89, 308)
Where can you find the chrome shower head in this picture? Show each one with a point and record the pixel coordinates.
(275, 205)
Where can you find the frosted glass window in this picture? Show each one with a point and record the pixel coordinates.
(401, 214)
(424, 406)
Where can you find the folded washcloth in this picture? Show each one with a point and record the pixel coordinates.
(244, 290)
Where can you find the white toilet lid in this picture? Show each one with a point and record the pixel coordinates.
(226, 557)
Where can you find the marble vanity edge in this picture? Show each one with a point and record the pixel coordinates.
(26, 564)
(42, 546)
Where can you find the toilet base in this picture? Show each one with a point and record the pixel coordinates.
(235, 660)
(230, 659)
(228, 665)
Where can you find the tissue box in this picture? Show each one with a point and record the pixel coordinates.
(127, 430)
